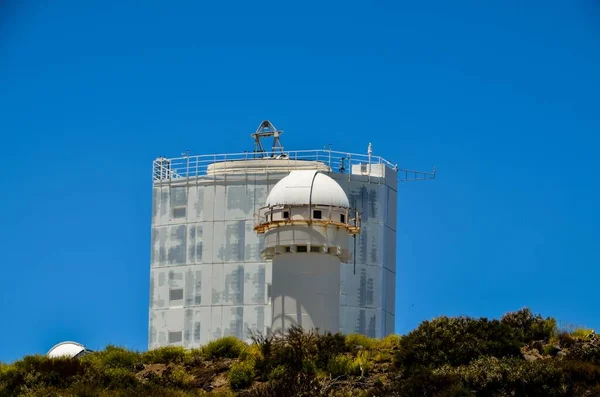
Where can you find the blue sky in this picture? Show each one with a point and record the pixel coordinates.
(503, 98)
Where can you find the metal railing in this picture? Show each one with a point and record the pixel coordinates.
(193, 166)
(264, 219)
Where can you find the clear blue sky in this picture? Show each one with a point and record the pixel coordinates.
(504, 99)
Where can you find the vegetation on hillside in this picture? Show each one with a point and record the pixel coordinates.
(518, 355)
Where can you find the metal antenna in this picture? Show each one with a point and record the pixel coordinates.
(267, 129)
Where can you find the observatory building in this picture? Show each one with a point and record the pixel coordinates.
(67, 349)
(262, 240)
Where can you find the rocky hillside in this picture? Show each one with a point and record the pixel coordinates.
(518, 355)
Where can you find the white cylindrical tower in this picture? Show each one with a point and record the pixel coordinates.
(306, 221)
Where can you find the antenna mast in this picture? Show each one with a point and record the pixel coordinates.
(267, 129)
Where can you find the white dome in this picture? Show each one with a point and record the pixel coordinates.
(307, 187)
(66, 349)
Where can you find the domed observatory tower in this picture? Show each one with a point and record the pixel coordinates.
(306, 222)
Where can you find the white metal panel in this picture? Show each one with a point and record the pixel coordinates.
(202, 326)
(364, 289)
(255, 320)
(202, 285)
(219, 201)
(233, 284)
(253, 243)
(368, 322)
(238, 205)
(216, 318)
(390, 323)
(389, 291)
(173, 321)
(305, 291)
(255, 288)
(391, 218)
(233, 321)
(217, 284)
(389, 249)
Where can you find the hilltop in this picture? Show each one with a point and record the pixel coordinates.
(519, 355)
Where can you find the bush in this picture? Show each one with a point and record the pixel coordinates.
(457, 341)
(166, 355)
(36, 371)
(177, 376)
(328, 346)
(227, 347)
(530, 327)
(361, 364)
(115, 357)
(422, 382)
(193, 357)
(582, 333)
(341, 365)
(390, 342)
(491, 376)
(354, 341)
(241, 375)
(252, 352)
(119, 379)
(277, 373)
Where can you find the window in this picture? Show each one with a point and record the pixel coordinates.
(315, 249)
(288, 249)
(317, 214)
(197, 332)
(301, 248)
(175, 337)
(343, 218)
(286, 215)
(176, 294)
(178, 212)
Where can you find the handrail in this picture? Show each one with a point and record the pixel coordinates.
(198, 165)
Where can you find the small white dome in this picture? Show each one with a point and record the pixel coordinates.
(307, 187)
(66, 349)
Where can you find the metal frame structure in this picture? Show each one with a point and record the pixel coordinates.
(264, 130)
(164, 169)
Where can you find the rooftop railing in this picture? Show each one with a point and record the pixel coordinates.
(194, 166)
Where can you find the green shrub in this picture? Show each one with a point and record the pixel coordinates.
(36, 371)
(115, 357)
(565, 340)
(362, 364)
(582, 333)
(278, 373)
(491, 376)
(530, 327)
(177, 376)
(359, 340)
(241, 375)
(340, 365)
(328, 346)
(193, 357)
(389, 342)
(166, 355)
(423, 382)
(119, 379)
(457, 341)
(296, 350)
(550, 350)
(227, 347)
